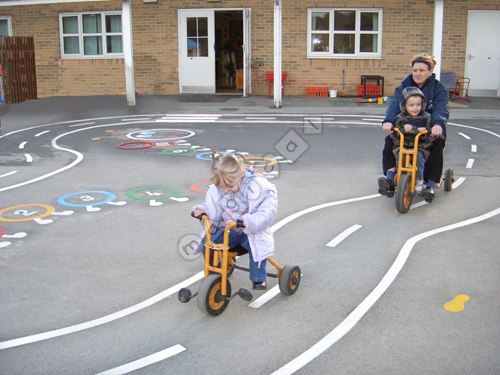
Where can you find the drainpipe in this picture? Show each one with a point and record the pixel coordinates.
(128, 51)
(277, 54)
(437, 39)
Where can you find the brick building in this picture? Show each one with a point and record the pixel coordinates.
(80, 45)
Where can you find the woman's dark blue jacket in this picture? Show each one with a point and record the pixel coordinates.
(436, 96)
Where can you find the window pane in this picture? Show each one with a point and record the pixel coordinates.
(114, 24)
(369, 21)
(203, 47)
(203, 26)
(114, 44)
(71, 45)
(320, 42)
(70, 25)
(91, 23)
(92, 45)
(191, 26)
(369, 43)
(320, 21)
(192, 47)
(343, 43)
(345, 20)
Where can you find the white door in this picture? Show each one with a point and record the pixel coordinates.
(247, 59)
(482, 62)
(196, 51)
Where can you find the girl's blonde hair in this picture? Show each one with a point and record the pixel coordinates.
(425, 58)
(226, 170)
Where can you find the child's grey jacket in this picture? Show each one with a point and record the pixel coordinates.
(262, 208)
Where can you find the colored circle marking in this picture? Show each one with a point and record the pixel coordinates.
(160, 134)
(256, 161)
(87, 198)
(198, 186)
(2, 232)
(22, 209)
(151, 193)
(139, 145)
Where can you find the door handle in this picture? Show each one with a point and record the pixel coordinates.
(471, 56)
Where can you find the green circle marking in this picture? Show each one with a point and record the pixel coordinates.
(153, 190)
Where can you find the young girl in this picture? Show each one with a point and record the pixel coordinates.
(239, 193)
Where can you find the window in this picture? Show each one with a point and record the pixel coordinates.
(5, 26)
(91, 35)
(197, 36)
(344, 33)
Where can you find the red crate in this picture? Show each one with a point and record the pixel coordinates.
(317, 90)
(374, 90)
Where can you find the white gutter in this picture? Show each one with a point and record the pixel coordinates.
(128, 51)
(277, 54)
(437, 39)
(10, 3)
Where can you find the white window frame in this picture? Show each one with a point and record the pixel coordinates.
(9, 24)
(103, 34)
(331, 32)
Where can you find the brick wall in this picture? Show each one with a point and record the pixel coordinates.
(407, 30)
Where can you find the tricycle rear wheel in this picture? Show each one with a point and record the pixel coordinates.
(448, 179)
(289, 279)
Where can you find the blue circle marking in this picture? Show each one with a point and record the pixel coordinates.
(109, 198)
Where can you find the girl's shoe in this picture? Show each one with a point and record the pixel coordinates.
(428, 194)
(419, 186)
(260, 286)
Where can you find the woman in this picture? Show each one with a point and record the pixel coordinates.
(436, 96)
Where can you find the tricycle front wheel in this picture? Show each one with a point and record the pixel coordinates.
(210, 299)
(404, 195)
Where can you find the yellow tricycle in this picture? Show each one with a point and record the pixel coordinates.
(214, 292)
(407, 171)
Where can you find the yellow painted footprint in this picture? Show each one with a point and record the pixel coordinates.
(457, 304)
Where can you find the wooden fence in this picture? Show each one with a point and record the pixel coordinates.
(17, 58)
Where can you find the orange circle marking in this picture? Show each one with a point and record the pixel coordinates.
(21, 209)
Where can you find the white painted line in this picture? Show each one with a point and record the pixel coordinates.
(136, 119)
(470, 163)
(146, 361)
(82, 124)
(260, 118)
(8, 174)
(22, 144)
(458, 182)
(473, 148)
(355, 316)
(464, 135)
(475, 128)
(29, 158)
(186, 120)
(105, 319)
(42, 133)
(266, 297)
(417, 205)
(342, 236)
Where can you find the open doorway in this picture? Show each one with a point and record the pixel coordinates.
(229, 54)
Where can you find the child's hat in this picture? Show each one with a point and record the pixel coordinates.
(411, 91)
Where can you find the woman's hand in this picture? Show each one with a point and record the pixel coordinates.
(387, 126)
(436, 130)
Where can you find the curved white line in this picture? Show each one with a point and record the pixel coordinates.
(342, 236)
(105, 319)
(475, 128)
(352, 319)
(8, 174)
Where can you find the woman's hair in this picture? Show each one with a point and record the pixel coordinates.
(226, 170)
(425, 58)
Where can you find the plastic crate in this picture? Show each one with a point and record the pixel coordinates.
(374, 90)
(317, 91)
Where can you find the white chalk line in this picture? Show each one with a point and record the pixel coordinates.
(353, 318)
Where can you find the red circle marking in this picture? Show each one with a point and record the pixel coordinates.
(2, 232)
(135, 145)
